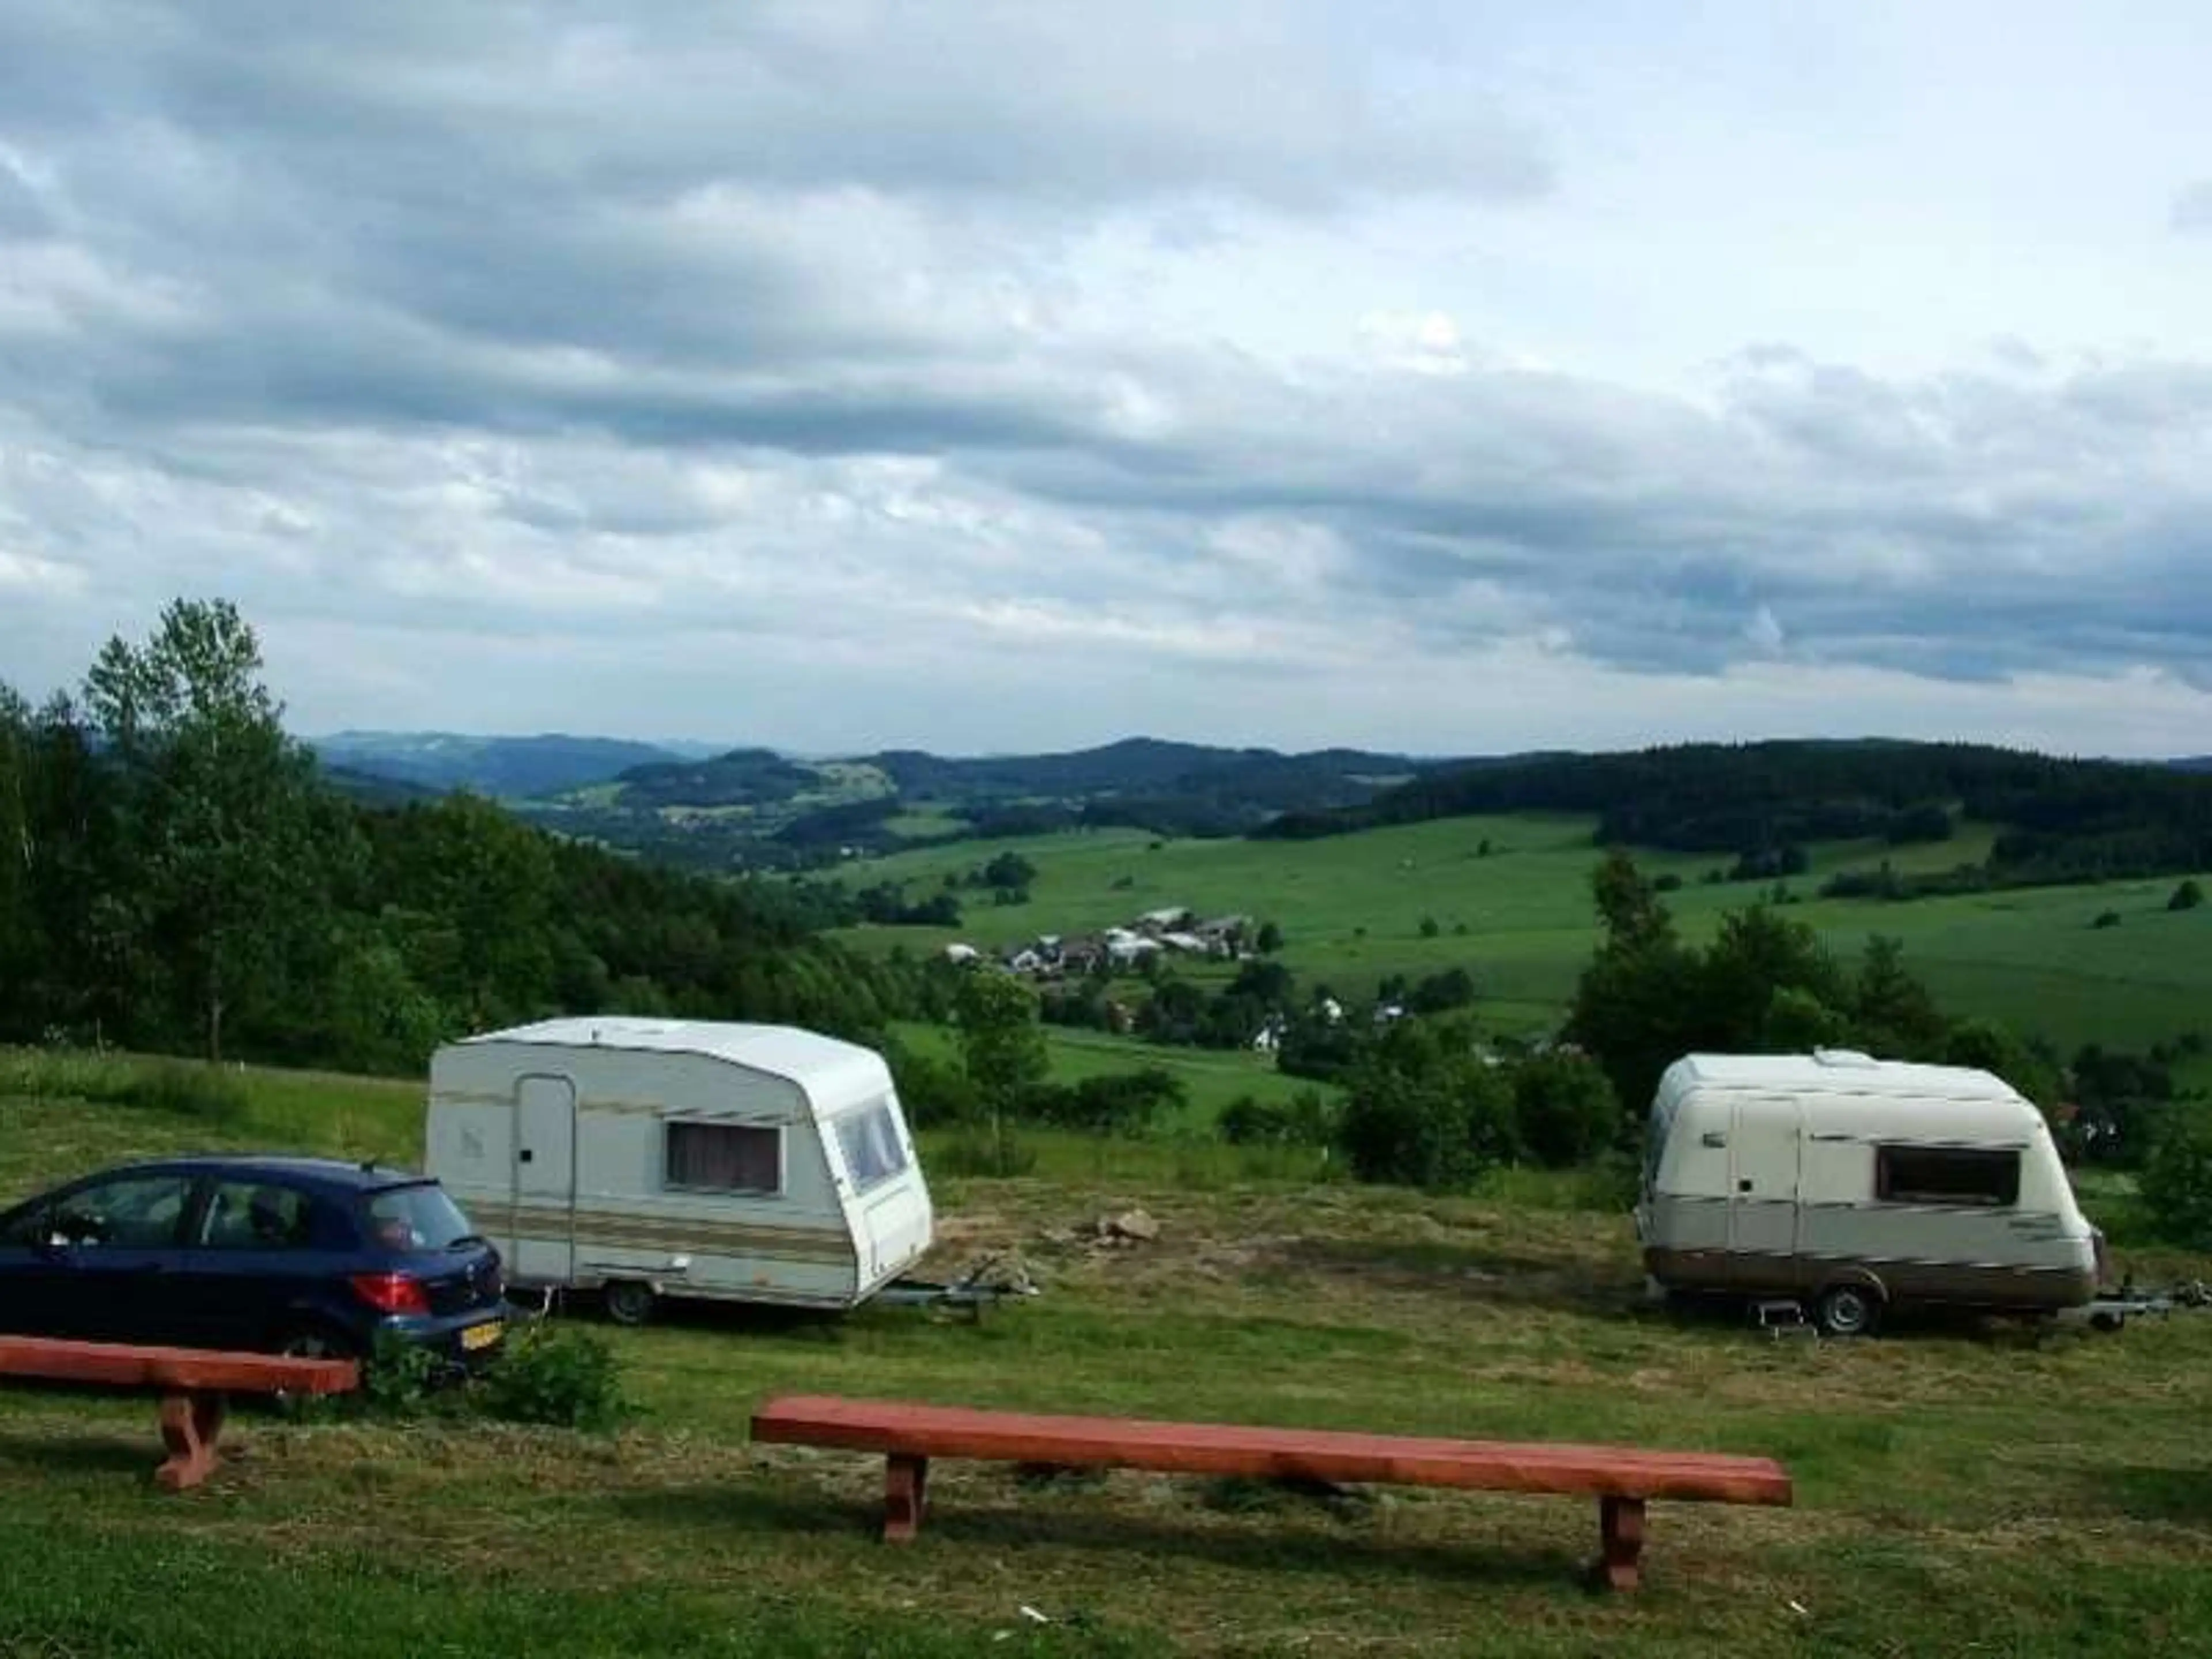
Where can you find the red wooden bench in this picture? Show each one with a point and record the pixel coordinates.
(193, 1384)
(1622, 1479)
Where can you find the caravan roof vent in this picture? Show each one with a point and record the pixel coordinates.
(1845, 1057)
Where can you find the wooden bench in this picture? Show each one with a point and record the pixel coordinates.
(1622, 1479)
(194, 1385)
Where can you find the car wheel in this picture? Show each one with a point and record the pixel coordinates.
(1848, 1311)
(628, 1301)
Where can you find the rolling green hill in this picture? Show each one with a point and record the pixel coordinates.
(1519, 918)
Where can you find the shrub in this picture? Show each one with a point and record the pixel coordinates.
(2107, 919)
(1429, 927)
(2187, 896)
(558, 1375)
(2176, 1183)
(1565, 1108)
(977, 1154)
(400, 1377)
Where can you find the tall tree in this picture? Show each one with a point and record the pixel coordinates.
(1001, 1045)
(219, 804)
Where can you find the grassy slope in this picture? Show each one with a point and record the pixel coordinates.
(1352, 908)
(1956, 1488)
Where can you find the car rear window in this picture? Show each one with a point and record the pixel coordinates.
(418, 1218)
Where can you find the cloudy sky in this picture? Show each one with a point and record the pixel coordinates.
(1448, 377)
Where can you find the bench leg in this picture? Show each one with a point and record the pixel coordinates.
(1620, 1532)
(906, 1496)
(192, 1422)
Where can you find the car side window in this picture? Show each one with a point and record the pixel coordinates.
(137, 1212)
(258, 1215)
(28, 1227)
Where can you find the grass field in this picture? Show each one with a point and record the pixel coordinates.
(1958, 1488)
(1351, 909)
(1211, 1077)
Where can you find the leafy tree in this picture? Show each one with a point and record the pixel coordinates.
(1424, 1111)
(1001, 1046)
(219, 797)
(2187, 896)
(1893, 1012)
(2176, 1183)
(1268, 941)
(1563, 1108)
(1440, 992)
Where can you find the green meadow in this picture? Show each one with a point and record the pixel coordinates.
(1958, 1487)
(1353, 909)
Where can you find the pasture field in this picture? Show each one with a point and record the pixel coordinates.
(1351, 909)
(1960, 1487)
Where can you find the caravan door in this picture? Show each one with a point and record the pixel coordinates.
(1765, 1138)
(544, 1181)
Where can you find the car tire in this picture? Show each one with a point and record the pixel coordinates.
(1848, 1311)
(628, 1301)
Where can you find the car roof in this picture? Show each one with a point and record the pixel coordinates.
(331, 1175)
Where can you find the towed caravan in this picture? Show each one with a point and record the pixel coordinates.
(1854, 1183)
(644, 1158)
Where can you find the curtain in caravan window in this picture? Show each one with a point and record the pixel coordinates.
(725, 1157)
(870, 1141)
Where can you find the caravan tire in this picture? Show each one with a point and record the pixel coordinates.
(1848, 1311)
(628, 1301)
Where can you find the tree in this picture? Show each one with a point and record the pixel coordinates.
(2187, 896)
(218, 799)
(1423, 1110)
(1001, 1046)
(1894, 1012)
(1269, 939)
(1563, 1108)
(1628, 904)
(2176, 1183)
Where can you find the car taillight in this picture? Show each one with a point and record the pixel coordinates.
(391, 1293)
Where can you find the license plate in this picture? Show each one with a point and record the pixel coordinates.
(481, 1336)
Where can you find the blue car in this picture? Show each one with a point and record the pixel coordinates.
(272, 1255)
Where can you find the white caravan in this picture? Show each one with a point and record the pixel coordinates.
(1854, 1183)
(643, 1158)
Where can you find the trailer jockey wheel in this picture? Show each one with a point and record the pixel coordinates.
(628, 1302)
(1847, 1310)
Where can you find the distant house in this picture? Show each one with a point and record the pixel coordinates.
(962, 954)
(1082, 955)
(1330, 1010)
(1161, 921)
(1122, 953)
(1269, 1037)
(1190, 942)
(1027, 960)
(1387, 1011)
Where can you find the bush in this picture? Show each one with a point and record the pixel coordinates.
(558, 1375)
(2176, 1183)
(2107, 919)
(400, 1378)
(2187, 896)
(976, 1153)
(1305, 1120)
(1565, 1108)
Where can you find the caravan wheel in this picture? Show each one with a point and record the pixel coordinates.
(1847, 1310)
(628, 1302)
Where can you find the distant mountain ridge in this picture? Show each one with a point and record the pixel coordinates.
(510, 767)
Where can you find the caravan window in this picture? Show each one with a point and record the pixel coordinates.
(870, 1140)
(1947, 1175)
(725, 1157)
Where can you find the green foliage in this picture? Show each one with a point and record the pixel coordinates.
(1113, 1104)
(2187, 896)
(1001, 1046)
(2176, 1183)
(1306, 1119)
(555, 1374)
(1564, 1111)
(401, 1378)
(175, 876)
(1269, 939)
(2107, 919)
(1424, 1109)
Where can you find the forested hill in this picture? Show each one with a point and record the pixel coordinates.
(2062, 819)
(180, 875)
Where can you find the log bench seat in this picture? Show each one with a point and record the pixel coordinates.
(193, 1384)
(1623, 1478)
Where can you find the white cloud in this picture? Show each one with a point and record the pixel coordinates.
(1010, 376)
